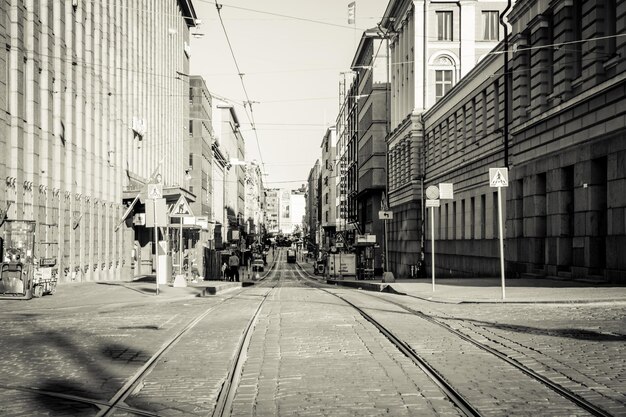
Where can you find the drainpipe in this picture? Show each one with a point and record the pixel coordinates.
(506, 84)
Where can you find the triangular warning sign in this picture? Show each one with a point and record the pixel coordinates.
(498, 177)
(181, 208)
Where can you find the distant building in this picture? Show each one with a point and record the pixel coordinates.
(367, 196)
(312, 225)
(298, 210)
(255, 202)
(231, 145)
(329, 210)
(272, 209)
(345, 162)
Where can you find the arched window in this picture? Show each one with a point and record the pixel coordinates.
(444, 69)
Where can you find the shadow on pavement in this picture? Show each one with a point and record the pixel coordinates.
(56, 406)
(510, 282)
(579, 334)
(71, 369)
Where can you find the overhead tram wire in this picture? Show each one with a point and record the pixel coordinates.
(243, 85)
(302, 19)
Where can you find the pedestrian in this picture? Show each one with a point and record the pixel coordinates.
(233, 263)
(224, 268)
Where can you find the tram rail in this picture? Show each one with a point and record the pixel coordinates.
(132, 384)
(460, 401)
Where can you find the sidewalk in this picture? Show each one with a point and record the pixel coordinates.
(136, 289)
(489, 290)
(140, 290)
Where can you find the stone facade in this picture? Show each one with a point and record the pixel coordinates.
(463, 139)
(431, 46)
(567, 207)
(370, 66)
(90, 106)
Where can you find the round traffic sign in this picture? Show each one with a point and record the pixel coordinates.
(432, 192)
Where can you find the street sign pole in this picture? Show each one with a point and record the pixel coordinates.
(156, 245)
(501, 241)
(432, 237)
(432, 201)
(386, 249)
(499, 177)
(180, 247)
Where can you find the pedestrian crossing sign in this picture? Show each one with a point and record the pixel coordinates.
(498, 177)
(181, 208)
(155, 191)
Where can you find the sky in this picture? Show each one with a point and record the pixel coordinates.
(292, 53)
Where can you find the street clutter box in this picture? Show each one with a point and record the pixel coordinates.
(342, 264)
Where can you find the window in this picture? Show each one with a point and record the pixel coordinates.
(191, 128)
(577, 20)
(494, 215)
(610, 26)
(549, 58)
(472, 218)
(8, 78)
(190, 160)
(490, 26)
(190, 94)
(484, 121)
(463, 216)
(443, 83)
(496, 105)
(453, 221)
(444, 26)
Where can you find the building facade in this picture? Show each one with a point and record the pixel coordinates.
(565, 149)
(254, 203)
(431, 46)
(231, 145)
(311, 225)
(329, 211)
(463, 139)
(371, 82)
(272, 208)
(198, 147)
(82, 123)
(566, 200)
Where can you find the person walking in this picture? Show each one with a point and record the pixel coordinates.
(233, 263)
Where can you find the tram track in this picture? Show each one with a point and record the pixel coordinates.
(459, 400)
(225, 398)
(117, 402)
(564, 392)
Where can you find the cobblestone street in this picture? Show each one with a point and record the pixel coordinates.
(309, 352)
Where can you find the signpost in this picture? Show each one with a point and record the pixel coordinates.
(432, 203)
(181, 209)
(432, 196)
(498, 178)
(155, 192)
